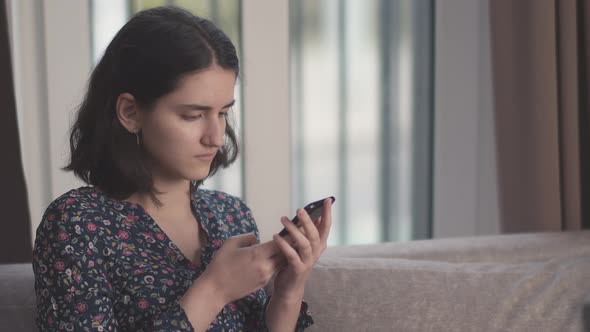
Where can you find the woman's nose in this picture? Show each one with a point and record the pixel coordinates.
(214, 135)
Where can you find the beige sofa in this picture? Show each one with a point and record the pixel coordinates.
(524, 282)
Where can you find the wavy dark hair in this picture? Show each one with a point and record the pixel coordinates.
(147, 58)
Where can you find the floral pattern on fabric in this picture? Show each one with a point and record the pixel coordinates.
(105, 265)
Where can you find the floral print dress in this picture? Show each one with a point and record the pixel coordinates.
(104, 265)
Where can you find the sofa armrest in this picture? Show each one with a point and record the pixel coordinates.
(18, 301)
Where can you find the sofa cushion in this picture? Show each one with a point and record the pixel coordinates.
(521, 282)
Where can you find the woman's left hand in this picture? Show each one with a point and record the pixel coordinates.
(309, 242)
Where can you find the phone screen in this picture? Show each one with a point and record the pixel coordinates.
(314, 210)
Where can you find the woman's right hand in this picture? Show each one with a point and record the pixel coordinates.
(241, 266)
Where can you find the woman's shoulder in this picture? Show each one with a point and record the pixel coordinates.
(74, 224)
(82, 198)
(216, 198)
(79, 206)
(228, 209)
(67, 201)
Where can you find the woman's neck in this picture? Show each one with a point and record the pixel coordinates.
(175, 199)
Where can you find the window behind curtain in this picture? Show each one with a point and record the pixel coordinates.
(361, 100)
(108, 16)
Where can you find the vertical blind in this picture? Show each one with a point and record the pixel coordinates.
(362, 101)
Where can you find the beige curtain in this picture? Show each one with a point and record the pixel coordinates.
(540, 70)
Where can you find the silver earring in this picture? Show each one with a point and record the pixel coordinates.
(137, 136)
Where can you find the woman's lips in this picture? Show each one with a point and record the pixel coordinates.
(206, 156)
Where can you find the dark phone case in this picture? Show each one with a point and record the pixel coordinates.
(314, 210)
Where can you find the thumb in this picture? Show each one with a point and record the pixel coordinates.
(243, 240)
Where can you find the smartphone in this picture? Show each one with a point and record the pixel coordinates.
(314, 210)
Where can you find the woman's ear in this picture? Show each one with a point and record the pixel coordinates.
(128, 112)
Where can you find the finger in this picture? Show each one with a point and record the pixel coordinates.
(285, 234)
(288, 236)
(290, 240)
(278, 260)
(268, 249)
(300, 227)
(303, 244)
(311, 231)
(242, 240)
(326, 221)
(291, 255)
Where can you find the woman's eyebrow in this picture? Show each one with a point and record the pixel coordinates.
(197, 107)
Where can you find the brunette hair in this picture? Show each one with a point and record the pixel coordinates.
(147, 58)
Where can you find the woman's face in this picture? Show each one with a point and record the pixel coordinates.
(187, 126)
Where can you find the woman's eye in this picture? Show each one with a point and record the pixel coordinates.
(223, 114)
(191, 117)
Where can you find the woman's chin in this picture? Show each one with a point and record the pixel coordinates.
(199, 175)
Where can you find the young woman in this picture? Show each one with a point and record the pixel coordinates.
(142, 248)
